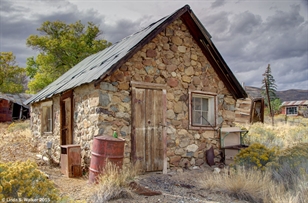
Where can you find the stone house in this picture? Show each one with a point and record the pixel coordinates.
(165, 89)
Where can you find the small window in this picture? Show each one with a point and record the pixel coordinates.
(47, 117)
(292, 110)
(202, 110)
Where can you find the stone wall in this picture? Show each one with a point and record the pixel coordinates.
(171, 58)
(41, 138)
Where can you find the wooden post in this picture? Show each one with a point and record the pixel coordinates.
(165, 162)
(269, 100)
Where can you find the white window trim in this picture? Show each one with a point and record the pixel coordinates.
(209, 95)
(292, 107)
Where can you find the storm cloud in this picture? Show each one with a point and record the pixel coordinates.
(249, 35)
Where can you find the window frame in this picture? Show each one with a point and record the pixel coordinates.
(47, 124)
(292, 107)
(212, 102)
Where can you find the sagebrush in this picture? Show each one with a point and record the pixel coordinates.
(21, 180)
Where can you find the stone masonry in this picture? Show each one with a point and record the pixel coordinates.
(171, 58)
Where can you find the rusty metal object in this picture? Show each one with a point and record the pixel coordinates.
(140, 190)
(5, 111)
(105, 148)
(210, 156)
(71, 160)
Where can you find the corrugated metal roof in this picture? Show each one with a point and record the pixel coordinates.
(295, 103)
(16, 98)
(94, 66)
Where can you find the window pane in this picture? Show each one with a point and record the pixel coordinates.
(203, 110)
(205, 118)
(205, 104)
(197, 103)
(196, 117)
(292, 110)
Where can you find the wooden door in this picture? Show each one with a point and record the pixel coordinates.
(148, 133)
(66, 118)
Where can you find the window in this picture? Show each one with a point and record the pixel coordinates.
(292, 110)
(202, 110)
(47, 117)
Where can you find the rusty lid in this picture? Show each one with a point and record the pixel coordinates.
(110, 138)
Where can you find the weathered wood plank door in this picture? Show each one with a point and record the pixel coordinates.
(148, 133)
(66, 118)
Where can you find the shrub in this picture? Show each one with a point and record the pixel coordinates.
(22, 180)
(291, 166)
(255, 156)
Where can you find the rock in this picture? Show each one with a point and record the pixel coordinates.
(124, 86)
(170, 114)
(176, 40)
(194, 57)
(151, 53)
(171, 130)
(171, 68)
(192, 148)
(216, 170)
(184, 142)
(140, 190)
(189, 71)
(182, 49)
(197, 136)
(172, 82)
(108, 87)
(186, 78)
(179, 170)
(178, 107)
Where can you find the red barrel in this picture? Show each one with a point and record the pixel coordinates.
(103, 148)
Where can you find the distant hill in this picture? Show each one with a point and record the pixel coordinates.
(293, 95)
(286, 95)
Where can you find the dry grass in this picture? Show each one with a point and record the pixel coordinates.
(253, 186)
(16, 141)
(282, 134)
(243, 184)
(285, 179)
(113, 183)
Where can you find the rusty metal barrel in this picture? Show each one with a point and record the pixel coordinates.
(105, 148)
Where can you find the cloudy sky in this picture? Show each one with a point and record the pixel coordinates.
(249, 34)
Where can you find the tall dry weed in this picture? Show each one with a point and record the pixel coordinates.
(249, 185)
(113, 183)
(243, 184)
(280, 135)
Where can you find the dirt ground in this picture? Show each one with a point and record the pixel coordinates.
(180, 186)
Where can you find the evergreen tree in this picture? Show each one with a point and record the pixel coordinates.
(269, 82)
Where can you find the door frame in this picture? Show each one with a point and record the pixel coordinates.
(64, 96)
(163, 87)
